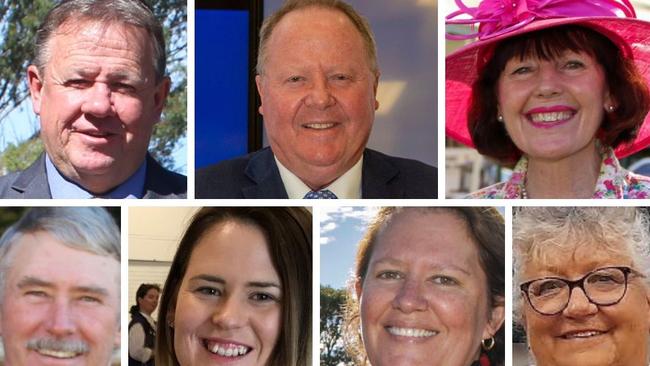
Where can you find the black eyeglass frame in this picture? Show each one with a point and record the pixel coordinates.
(581, 284)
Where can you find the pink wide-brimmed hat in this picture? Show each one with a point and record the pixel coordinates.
(502, 19)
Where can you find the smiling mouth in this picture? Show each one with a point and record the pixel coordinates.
(319, 126)
(57, 354)
(551, 116)
(226, 349)
(411, 332)
(582, 334)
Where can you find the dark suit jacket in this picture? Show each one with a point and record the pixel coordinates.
(32, 182)
(257, 176)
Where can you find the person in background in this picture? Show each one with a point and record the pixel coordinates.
(142, 328)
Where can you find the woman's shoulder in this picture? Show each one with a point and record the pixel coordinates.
(497, 190)
(637, 186)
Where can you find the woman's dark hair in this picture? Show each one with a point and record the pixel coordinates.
(626, 86)
(484, 224)
(140, 293)
(288, 233)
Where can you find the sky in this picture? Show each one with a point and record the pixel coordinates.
(341, 228)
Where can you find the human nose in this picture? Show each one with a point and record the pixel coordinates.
(98, 101)
(320, 95)
(229, 314)
(579, 304)
(61, 319)
(410, 297)
(549, 82)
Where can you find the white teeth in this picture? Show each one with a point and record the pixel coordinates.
(320, 126)
(586, 334)
(229, 350)
(57, 354)
(551, 117)
(411, 332)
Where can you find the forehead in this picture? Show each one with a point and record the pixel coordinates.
(572, 259)
(113, 40)
(433, 236)
(229, 247)
(40, 255)
(318, 28)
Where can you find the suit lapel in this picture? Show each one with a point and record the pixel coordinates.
(32, 182)
(379, 176)
(263, 171)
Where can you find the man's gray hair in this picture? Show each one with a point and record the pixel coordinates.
(90, 229)
(132, 12)
(542, 233)
(359, 22)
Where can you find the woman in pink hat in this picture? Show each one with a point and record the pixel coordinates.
(556, 88)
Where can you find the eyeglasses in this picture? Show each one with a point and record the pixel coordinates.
(603, 286)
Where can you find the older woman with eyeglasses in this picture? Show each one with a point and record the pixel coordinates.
(581, 284)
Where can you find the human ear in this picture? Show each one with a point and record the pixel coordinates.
(258, 83)
(35, 83)
(374, 88)
(160, 96)
(497, 316)
(358, 287)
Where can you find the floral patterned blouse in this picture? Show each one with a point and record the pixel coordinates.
(613, 181)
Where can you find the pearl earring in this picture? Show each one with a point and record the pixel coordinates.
(500, 118)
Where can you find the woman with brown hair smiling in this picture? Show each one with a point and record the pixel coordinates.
(428, 289)
(239, 290)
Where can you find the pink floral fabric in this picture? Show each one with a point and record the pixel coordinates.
(613, 182)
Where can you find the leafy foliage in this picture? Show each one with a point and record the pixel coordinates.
(332, 303)
(19, 20)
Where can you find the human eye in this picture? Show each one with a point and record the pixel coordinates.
(341, 77)
(295, 79)
(574, 65)
(78, 83)
(90, 299)
(263, 297)
(444, 280)
(207, 291)
(389, 275)
(123, 87)
(521, 70)
(548, 287)
(36, 293)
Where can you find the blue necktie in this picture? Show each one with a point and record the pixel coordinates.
(320, 195)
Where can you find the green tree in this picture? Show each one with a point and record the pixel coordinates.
(19, 20)
(332, 303)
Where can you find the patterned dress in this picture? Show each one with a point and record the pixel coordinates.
(613, 181)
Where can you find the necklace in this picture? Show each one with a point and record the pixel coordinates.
(524, 193)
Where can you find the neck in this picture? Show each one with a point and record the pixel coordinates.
(572, 177)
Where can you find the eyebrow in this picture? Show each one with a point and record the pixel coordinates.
(396, 262)
(219, 280)
(30, 281)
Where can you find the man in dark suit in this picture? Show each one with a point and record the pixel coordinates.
(98, 85)
(317, 79)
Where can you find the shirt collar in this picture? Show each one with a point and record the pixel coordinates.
(61, 187)
(347, 186)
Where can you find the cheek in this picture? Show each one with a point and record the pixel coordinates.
(267, 326)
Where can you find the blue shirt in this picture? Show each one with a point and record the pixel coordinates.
(61, 187)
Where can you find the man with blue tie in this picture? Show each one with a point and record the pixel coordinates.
(317, 80)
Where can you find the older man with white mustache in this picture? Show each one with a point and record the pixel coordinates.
(60, 287)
